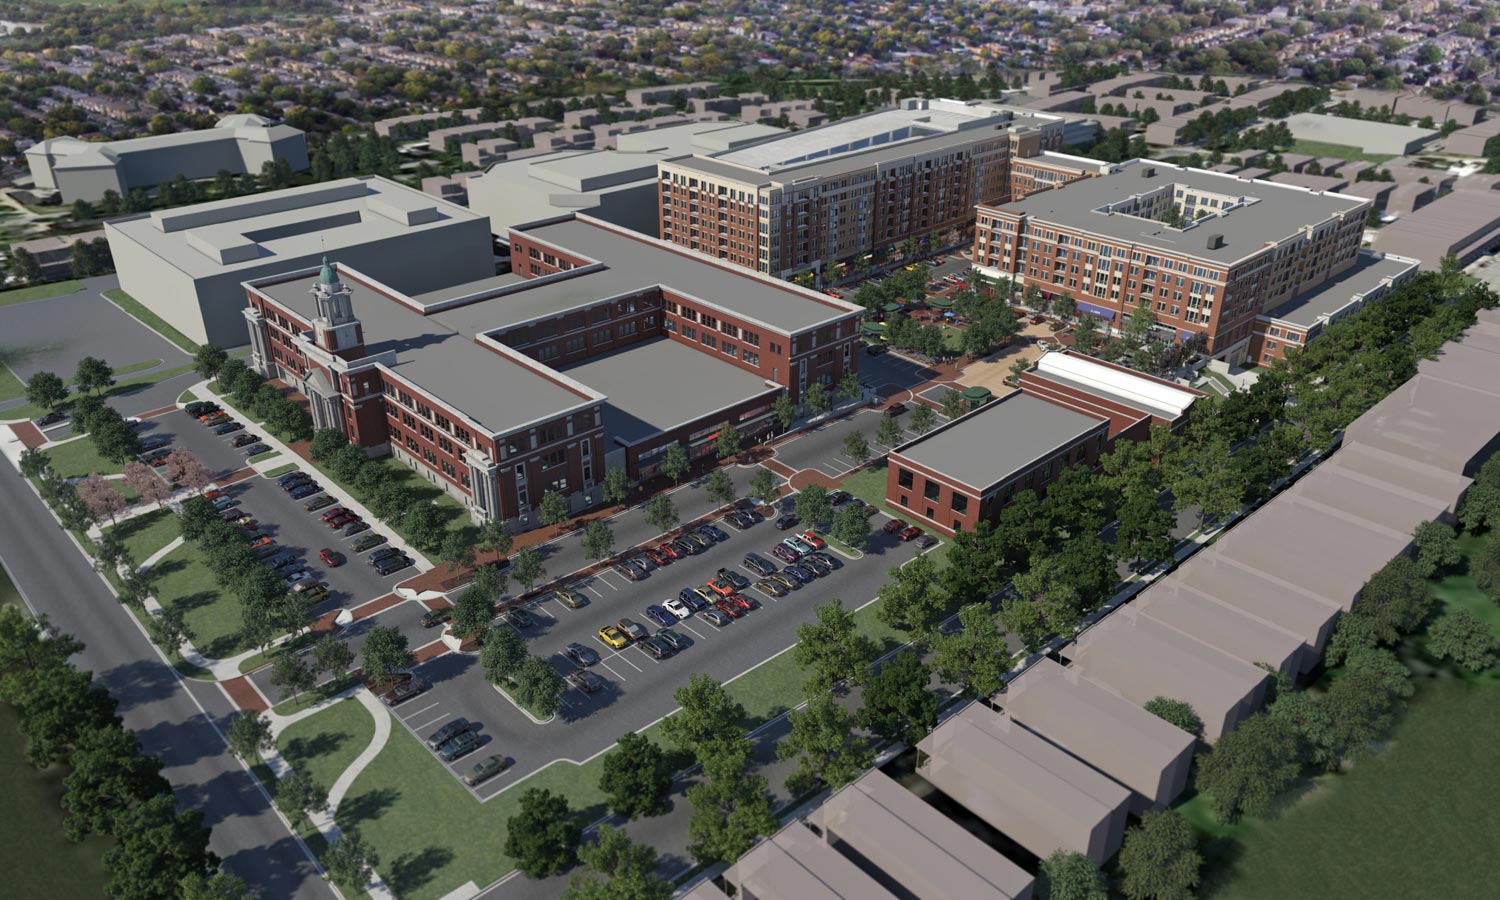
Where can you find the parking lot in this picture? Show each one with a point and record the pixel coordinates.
(638, 689)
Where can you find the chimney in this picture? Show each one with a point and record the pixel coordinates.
(1215, 241)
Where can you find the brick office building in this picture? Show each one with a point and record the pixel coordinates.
(1067, 412)
(826, 195)
(601, 350)
(1208, 252)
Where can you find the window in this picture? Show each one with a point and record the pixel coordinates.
(751, 358)
(690, 332)
(549, 434)
(959, 503)
(555, 458)
(904, 478)
(931, 489)
(709, 340)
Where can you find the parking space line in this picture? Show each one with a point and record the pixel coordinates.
(413, 715)
(612, 670)
(684, 624)
(619, 654)
(440, 717)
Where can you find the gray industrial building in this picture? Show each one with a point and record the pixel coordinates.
(186, 265)
(83, 170)
(1371, 137)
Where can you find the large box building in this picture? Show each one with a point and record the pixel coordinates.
(601, 350)
(1208, 252)
(186, 265)
(83, 170)
(826, 195)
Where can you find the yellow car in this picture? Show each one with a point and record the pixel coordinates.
(910, 268)
(614, 637)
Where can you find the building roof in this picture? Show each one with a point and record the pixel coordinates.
(697, 137)
(659, 384)
(1373, 137)
(633, 262)
(1153, 395)
(1269, 212)
(1272, 598)
(928, 854)
(793, 864)
(987, 446)
(1443, 417)
(1101, 728)
(249, 233)
(73, 153)
(1323, 302)
(1448, 225)
(1028, 789)
(1231, 630)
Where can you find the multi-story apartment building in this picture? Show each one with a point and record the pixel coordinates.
(602, 349)
(809, 200)
(1206, 252)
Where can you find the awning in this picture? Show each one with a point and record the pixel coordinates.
(1098, 311)
(892, 307)
(977, 395)
(943, 302)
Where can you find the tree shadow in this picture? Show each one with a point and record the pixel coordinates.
(300, 749)
(411, 871)
(365, 807)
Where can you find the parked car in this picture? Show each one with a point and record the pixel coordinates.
(241, 440)
(671, 639)
(519, 618)
(656, 649)
(925, 541)
(366, 542)
(200, 407)
(738, 521)
(228, 428)
(738, 581)
(569, 599)
(155, 442)
(266, 551)
(392, 564)
(704, 595)
(713, 533)
(629, 572)
(677, 608)
(296, 574)
(658, 556)
(253, 449)
(685, 547)
(311, 591)
(815, 565)
(659, 615)
(291, 478)
(282, 560)
(485, 769)
(729, 609)
(318, 502)
(812, 540)
(341, 520)
(233, 515)
(786, 581)
(758, 564)
(772, 587)
(355, 527)
(786, 521)
(448, 732)
(581, 655)
(404, 691)
(798, 545)
(829, 560)
(585, 680)
(743, 602)
(893, 526)
(910, 533)
(213, 419)
(799, 573)
(336, 511)
(304, 489)
(690, 597)
(894, 410)
(720, 587)
(435, 617)
(632, 629)
(382, 553)
(223, 503)
(715, 618)
(784, 553)
(614, 637)
(460, 746)
(640, 564)
(259, 540)
(670, 550)
(331, 557)
(700, 541)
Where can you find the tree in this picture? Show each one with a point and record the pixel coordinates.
(731, 808)
(953, 404)
(142, 479)
(1436, 546)
(1395, 600)
(719, 487)
(922, 418)
(831, 648)
(115, 440)
(102, 500)
(93, 375)
(812, 505)
(219, 886)
(912, 599)
(473, 611)
(169, 629)
(765, 485)
(1360, 707)
(974, 655)
(889, 432)
(297, 793)
(457, 551)
(493, 538)
(24, 263)
(46, 390)
(250, 733)
(1160, 858)
(675, 464)
(817, 398)
(1070, 876)
(1144, 532)
(209, 360)
(823, 742)
(384, 655)
(1464, 638)
(325, 442)
(617, 869)
(332, 656)
(851, 526)
(350, 860)
(784, 411)
(538, 687)
(526, 567)
(856, 447)
(156, 848)
(1176, 712)
(553, 509)
(108, 775)
(502, 655)
(1086, 334)
(183, 468)
(848, 387)
(636, 777)
(1200, 476)
(708, 720)
(661, 512)
(1249, 767)
(617, 486)
(541, 837)
(291, 674)
(729, 442)
(897, 704)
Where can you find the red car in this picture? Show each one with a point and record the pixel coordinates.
(893, 526)
(658, 557)
(669, 551)
(332, 558)
(722, 588)
(341, 521)
(811, 538)
(212, 495)
(740, 600)
(260, 542)
(336, 511)
(729, 609)
(911, 533)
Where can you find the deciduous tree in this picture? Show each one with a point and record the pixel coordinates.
(385, 654)
(1160, 858)
(1071, 876)
(1463, 637)
(921, 419)
(1249, 767)
(526, 567)
(889, 432)
(542, 837)
(817, 398)
(636, 777)
(731, 808)
(831, 648)
(140, 478)
(102, 500)
(553, 509)
(250, 733)
(617, 486)
(1436, 547)
(108, 774)
(719, 487)
(297, 794)
(812, 505)
(351, 859)
(973, 655)
(708, 719)
(331, 656)
(897, 703)
(156, 848)
(857, 447)
(614, 868)
(729, 442)
(1178, 713)
(823, 742)
(661, 513)
(851, 526)
(1395, 600)
(209, 360)
(912, 599)
(538, 687)
(502, 655)
(953, 404)
(784, 411)
(764, 485)
(46, 390)
(675, 463)
(93, 375)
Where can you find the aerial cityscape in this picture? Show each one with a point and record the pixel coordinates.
(762, 450)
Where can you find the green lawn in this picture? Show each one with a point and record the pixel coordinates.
(125, 386)
(266, 455)
(280, 471)
(324, 745)
(9, 596)
(39, 292)
(455, 517)
(187, 583)
(1458, 590)
(151, 320)
(186, 397)
(1342, 151)
(11, 388)
(78, 457)
(145, 535)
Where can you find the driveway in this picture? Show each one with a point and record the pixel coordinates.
(822, 449)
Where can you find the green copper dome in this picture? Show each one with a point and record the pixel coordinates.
(327, 276)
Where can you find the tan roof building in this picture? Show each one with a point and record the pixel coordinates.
(907, 841)
(1266, 597)
(1025, 787)
(1103, 729)
(1220, 625)
(793, 864)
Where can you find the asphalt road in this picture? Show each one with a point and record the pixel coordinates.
(178, 720)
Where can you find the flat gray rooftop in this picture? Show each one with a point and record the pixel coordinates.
(988, 446)
(1280, 211)
(859, 133)
(1367, 273)
(635, 262)
(498, 393)
(660, 384)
